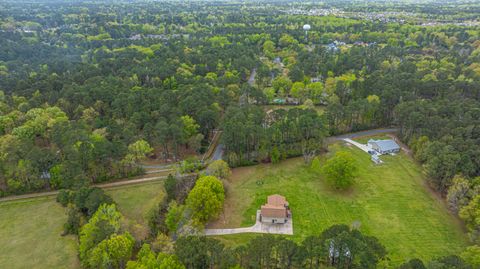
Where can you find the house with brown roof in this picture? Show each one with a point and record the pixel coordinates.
(275, 210)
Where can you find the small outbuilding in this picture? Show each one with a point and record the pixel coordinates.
(386, 146)
(276, 210)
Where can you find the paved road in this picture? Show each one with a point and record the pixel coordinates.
(103, 186)
(218, 153)
(362, 133)
(251, 79)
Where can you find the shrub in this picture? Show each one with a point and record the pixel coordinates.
(87, 200)
(64, 197)
(156, 218)
(219, 169)
(170, 187)
(275, 155)
(74, 218)
(315, 165)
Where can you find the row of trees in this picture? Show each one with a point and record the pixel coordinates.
(337, 247)
(250, 134)
(463, 198)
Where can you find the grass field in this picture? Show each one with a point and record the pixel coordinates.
(30, 230)
(136, 201)
(30, 235)
(390, 201)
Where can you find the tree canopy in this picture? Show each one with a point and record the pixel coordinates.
(206, 199)
(340, 170)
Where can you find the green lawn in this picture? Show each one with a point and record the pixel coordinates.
(30, 235)
(136, 201)
(30, 230)
(390, 200)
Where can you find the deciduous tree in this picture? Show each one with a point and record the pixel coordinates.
(340, 170)
(205, 200)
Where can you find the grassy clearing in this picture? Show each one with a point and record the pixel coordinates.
(30, 230)
(30, 235)
(390, 201)
(135, 201)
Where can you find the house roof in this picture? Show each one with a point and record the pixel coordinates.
(385, 145)
(271, 211)
(275, 207)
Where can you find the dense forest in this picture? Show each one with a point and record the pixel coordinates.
(82, 82)
(88, 90)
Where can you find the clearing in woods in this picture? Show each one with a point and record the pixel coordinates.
(391, 202)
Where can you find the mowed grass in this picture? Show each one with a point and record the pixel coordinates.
(30, 235)
(390, 201)
(136, 201)
(30, 230)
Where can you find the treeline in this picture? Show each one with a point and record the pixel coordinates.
(444, 135)
(252, 135)
(337, 247)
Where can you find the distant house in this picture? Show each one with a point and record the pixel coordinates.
(332, 47)
(316, 79)
(384, 146)
(275, 210)
(135, 37)
(45, 175)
